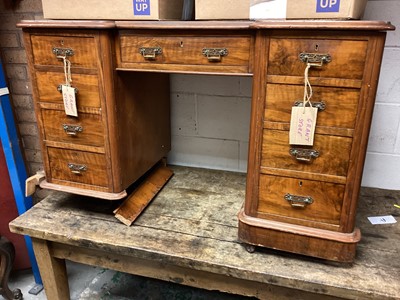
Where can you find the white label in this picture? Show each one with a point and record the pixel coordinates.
(382, 220)
(302, 125)
(4, 91)
(69, 99)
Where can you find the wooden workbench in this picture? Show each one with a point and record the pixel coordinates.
(188, 235)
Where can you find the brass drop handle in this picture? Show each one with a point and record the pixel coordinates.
(315, 59)
(59, 88)
(298, 201)
(320, 105)
(59, 52)
(150, 53)
(215, 54)
(77, 169)
(304, 155)
(72, 129)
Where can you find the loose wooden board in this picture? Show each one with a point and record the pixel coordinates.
(138, 200)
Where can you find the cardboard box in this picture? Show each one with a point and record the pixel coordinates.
(222, 9)
(268, 9)
(325, 9)
(279, 9)
(113, 10)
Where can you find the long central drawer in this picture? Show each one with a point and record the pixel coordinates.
(201, 52)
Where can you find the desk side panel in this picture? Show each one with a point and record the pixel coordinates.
(143, 117)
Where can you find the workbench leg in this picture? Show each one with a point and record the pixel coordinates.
(52, 270)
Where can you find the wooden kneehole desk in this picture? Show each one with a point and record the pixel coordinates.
(188, 235)
(299, 199)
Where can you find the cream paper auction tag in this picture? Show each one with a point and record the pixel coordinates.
(302, 125)
(69, 99)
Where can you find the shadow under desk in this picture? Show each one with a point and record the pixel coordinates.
(188, 235)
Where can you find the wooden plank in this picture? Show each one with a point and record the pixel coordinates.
(183, 275)
(136, 202)
(197, 210)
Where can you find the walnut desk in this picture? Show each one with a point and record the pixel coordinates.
(300, 199)
(188, 235)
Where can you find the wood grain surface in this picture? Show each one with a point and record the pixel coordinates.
(333, 159)
(184, 51)
(346, 55)
(192, 223)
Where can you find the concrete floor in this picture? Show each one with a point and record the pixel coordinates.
(94, 283)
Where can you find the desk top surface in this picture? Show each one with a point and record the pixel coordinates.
(233, 25)
(193, 221)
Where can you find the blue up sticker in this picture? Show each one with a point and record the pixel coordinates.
(328, 6)
(141, 7)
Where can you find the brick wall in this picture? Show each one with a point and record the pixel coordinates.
(210, 114)
(13, 57)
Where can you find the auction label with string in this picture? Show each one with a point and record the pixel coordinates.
(302, 125)
(68, 93)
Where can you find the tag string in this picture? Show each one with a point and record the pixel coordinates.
(308, 92)
(67, 70)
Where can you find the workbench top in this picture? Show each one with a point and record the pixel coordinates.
(192, 223)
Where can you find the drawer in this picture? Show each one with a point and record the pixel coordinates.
(86, 129)
(78, 166)
(347, 57)
(186, 50)
(340, 104)
(84, 50)
(87, 85)
(326, 200)
(332, 158)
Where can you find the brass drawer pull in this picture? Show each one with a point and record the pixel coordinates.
(63, 51)
(320, 105)
(315, 58)
(150, 52)
(77, 169)
(215, 54)
(72, 129)
(304, 155)
(298, 201)
(59, 88)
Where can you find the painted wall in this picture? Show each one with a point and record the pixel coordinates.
(382, 167)
(210, 115)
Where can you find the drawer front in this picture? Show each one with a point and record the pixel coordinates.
(184, 50)
(326, 198)
(340, 104)
(332, 158)
(78, 166)
(87, 85)
(84, 50)
(86, 129)
(347, 57)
